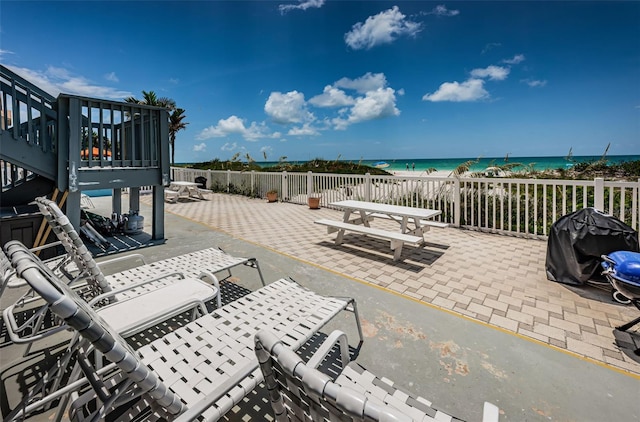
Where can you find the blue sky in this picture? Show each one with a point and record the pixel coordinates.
(350, 79)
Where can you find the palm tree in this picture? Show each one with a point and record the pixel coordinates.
(176, 124)
(176, 115)
(150, 98)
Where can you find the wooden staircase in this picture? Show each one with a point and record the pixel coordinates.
(82, 144)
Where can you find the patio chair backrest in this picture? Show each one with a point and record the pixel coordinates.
(66, 304)
(75, 248)
(302, 393)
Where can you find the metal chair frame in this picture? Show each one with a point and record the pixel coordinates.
(200, 370)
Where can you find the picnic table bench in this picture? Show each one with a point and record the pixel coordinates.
(367, 211)
(397, 239)
(179, 188)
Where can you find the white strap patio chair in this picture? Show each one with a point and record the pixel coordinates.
(199, 371)
(298, 391)
(213, 260)
(128, 317)
(205, 264)
(29, 329)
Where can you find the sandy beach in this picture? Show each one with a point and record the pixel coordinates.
(438, 173)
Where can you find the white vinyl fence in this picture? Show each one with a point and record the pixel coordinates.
(522, 207)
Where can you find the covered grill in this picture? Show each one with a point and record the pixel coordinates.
(577, 242)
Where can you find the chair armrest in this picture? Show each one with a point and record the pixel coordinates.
(48, 245)
(208, 277)
(332, 339)
(11, 280)
(31, 326)
(132, 286)
(121, 259)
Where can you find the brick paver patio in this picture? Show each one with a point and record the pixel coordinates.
(497, 279)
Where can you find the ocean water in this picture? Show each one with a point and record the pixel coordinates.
(537, 163)
(449, 164)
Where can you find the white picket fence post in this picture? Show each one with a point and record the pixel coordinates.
(309, 183)
(457, 208)
(367, 187)
(285, 187)
(598, 193)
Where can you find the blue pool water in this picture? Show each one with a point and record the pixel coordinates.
(98, 192)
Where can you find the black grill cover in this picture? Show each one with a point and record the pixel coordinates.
(201, 181)
(577, 241)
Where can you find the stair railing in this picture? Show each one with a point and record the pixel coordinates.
(28, 125)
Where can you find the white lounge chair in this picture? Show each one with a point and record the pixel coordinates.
(127, 316)
(200, 370)
(212, 260)
(300, 392)
(205, 264)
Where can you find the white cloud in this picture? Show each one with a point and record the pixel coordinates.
(490, 46)
(374, 105)
(58, 72)
(200, 147)
(229, 146)
(266, 151)
(5, 52)
(78, 85)
(288, 108)
(534, 83)
(332, 97)
(470, 90)
(235, 126)
(496, 73)
(357, 100)
(365, 83)
(304, 130)
(56, 80)
(371, 100)
(383, 28)
(441, 10)
(473, 88)
(111, 76)
(225, 127)
(37, 78)
(518, 58)
(302, 5)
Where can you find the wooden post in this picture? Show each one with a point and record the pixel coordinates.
(46, 233)
(38, 239)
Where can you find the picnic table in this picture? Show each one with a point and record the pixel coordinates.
(179, 188)
(413, 222)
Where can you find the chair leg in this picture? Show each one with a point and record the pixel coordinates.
(356, 315)
(254, 263)
(628, 325)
